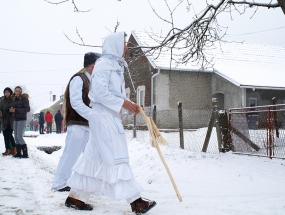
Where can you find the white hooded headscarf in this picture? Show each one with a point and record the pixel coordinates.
(113, 49)
(111, 58)
(114, 44)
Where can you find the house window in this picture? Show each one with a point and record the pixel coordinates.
(127, 92)
(252, 102)
(141, 95)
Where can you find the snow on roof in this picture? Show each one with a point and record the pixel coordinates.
(47, 105)
(252, 64)
(244, 64)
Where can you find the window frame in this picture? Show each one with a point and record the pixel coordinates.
(139, 90)
(128, 92)
(252, 99)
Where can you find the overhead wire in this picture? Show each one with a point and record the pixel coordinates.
(29, 52)
(35, 84)
(40, 94)
(43, 70)
(255, 32)
(45, 53)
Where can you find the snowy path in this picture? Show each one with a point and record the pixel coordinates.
(25, 189)
(209, 184)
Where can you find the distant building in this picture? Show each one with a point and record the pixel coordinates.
(243, 75)
(52, 107)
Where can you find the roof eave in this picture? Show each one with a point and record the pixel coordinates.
(227, 78)
(186, 70)
(138, 41)
(262, 87)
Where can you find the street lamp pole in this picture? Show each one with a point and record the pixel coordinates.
(50, 92)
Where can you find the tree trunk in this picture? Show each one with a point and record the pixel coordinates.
(282, 5)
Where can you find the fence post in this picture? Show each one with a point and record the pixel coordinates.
(214, 119)
(231, 147)
(274, 101)
(217, 124)
(270, 132)
(209, 131)
(154, 114)
(180, 117)
(135, 127)
(224, 125)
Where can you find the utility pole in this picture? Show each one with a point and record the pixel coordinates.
(50, 92)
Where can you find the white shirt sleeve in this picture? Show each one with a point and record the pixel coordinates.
(76, 101)
(125, 98)
(102, 94)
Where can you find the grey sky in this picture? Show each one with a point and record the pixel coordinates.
(36, 26)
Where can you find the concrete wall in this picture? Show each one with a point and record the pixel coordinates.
(161, 91)
(232, 93)
(193, 89)
(264, 96)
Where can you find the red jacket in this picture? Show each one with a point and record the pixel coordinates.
(48, 117)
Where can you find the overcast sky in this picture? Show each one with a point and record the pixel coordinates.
(37, 26)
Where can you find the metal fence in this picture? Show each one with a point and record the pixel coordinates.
(182, 136)
(258, 130)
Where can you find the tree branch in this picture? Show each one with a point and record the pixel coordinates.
(194, 42)
(251, 4)
(80, 44)
(56, 3)
(74, 5)
(117, 25)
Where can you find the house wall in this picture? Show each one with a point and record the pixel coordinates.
(232, 93)
(264, 96)
(161, 91)
(141, 71)
(193, 89)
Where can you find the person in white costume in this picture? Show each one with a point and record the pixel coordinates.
(103, 168)
(76, 111)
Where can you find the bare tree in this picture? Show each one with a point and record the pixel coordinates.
(194, 42)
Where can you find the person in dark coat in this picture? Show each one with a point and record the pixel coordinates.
(58, 119)
(41, 122)
(20, 110)
(31, 125)
(7, 121)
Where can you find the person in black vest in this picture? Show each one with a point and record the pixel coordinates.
(76, 110)
(58, 119)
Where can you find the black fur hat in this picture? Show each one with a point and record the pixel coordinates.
(8, 89)
(90, 58)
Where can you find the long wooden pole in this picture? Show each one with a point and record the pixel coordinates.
(169, 173)
(155, 136)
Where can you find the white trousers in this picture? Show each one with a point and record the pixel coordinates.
(75, 142)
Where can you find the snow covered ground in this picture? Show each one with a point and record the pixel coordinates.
(210, 184)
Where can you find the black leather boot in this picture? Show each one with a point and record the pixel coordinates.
(19, 151)
(25, 151)
(77, 204)
(142, 205)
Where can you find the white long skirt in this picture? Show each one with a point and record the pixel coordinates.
(103, 168)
